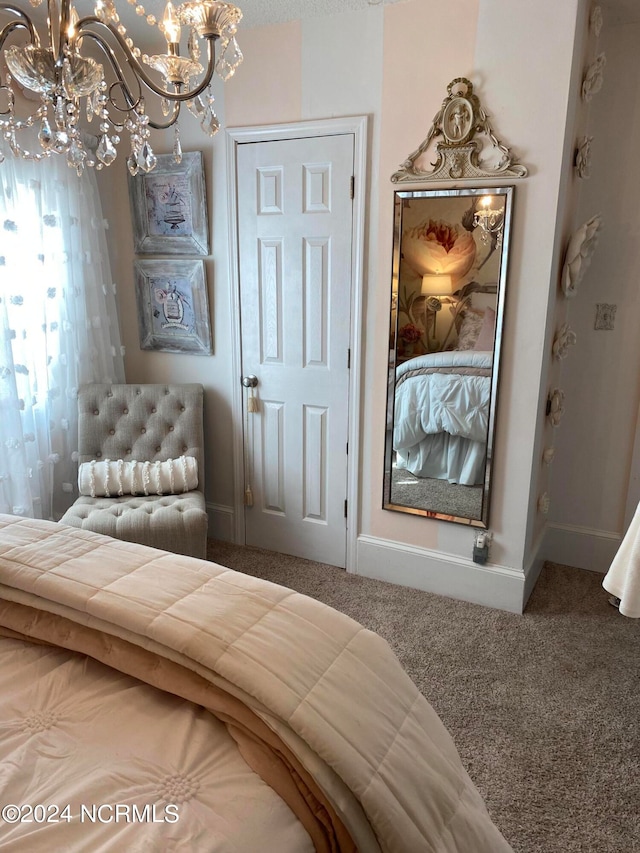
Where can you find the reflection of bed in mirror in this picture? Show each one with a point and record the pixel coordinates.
(441, 415)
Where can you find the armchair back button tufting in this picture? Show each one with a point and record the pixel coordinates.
(112, 432)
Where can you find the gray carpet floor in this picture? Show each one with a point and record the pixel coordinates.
(435, 495)
(544, 707)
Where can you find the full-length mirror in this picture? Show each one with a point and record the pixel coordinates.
(450, 255)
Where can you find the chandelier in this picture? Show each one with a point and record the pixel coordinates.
(490, 220)
(67, 71)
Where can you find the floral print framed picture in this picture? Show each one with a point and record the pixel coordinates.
(173, 307)
(169, 207)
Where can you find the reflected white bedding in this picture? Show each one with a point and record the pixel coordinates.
(441, 415)
(74, 731)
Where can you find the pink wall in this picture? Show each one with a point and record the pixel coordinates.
(267, 88)
(420, 59)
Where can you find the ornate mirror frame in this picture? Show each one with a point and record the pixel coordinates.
(450, 251)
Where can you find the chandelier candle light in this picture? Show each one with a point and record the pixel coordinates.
(491, 221)
(64, 74)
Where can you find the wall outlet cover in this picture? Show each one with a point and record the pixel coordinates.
(605, 316)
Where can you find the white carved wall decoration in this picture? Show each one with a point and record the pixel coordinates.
(555, 407)
(583, 157)
(544, 502)
(579, 253)
(595, 20)
(565, 338)
(593, 77)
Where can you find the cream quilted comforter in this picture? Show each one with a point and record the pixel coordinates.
(318, 706)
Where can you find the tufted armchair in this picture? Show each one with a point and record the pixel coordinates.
(144, 423)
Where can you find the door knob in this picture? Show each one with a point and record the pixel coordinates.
(250, 381)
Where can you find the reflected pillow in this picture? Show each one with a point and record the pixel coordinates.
(485, 338)
(470, 326)
(115, 477)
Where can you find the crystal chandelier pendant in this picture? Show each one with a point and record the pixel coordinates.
(45, 136)
(106, 151)
(76, 155)
(132, 165)
(146, 159)
(61, 141)
(197, 106)
(193, 46)
(230, 59)
(210, 123)
(177, 147)
(166, 106)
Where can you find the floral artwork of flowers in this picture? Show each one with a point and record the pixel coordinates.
(435, 247)
(410, 333)
(439, 237)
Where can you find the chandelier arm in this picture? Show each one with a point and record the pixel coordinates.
(142, 74)
(60, 14)
(122, 83)
(24, 23)
(115, 67)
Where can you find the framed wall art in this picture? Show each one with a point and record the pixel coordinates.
(173, 308)
(169, 207)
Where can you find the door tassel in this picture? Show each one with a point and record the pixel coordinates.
(248, 496)
(252, 403)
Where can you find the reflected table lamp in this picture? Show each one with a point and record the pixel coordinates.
(434, 287)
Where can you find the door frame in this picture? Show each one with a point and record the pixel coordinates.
(357, 125)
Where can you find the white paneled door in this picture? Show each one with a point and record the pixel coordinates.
(295, 244)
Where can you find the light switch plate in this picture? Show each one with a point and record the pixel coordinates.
(605, 316)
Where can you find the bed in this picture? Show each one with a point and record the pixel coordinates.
(441, 415)
(156, 702)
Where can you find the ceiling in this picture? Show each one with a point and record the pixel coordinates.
(260, 12)
(256, 13)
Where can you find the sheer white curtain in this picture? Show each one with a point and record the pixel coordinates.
(58, 328)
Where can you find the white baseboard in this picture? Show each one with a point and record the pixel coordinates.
(583, 547)
(443, 574)
(220, 522)
(534, 567)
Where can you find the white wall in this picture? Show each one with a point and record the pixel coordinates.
(394, 63)
(600, 376)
